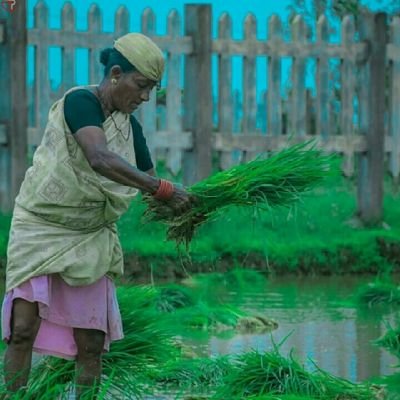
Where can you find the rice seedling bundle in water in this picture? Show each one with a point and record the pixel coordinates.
(257, 374)
(391, 341)
(277, 181)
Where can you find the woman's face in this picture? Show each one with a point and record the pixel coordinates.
(131, 89)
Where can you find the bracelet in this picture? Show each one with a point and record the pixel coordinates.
(164, 191)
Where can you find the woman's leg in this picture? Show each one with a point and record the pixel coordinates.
(90, 344)
(25, 323)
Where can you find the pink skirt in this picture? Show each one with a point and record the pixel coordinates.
(62, 308)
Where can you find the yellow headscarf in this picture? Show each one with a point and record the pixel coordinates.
(143, 54)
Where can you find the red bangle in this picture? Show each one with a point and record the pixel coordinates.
(164, 191)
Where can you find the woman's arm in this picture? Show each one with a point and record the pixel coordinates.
(151, 172)
(93, 142)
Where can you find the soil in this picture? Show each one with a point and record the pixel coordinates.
(146, 268)
(140, 268)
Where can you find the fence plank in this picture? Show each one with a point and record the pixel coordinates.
(274, 77)
(174, 97)
(121, 21)
(225, 98)
(310, 113)
(237, 111)
(262, 111)
(5, 114)
(394, 103)
(95, 25)
(68, 51)
(347, 72)
(19, 111)
(298, 99)
(322, 82)
(198, 98)
(42, 84)
(366, 32)
(257, 143)
(371, 170)
(249, 82)
(147, 112)
(357, 52)
(249, 77)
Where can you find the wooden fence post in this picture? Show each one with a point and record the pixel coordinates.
(197, 95)
(372, 110)
(5, 111)
(13, 104)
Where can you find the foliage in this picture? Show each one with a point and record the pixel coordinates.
(204, 316)
(256, 374)
(391, 341)
(378, 293)
(171, 297)
(312, 9)
(265, 183)
(195, 373)
(5, 222)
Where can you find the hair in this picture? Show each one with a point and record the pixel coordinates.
(110, 57)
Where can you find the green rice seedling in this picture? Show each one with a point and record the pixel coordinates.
(204, 374)
(390, 341)
(378, 293)
(53, 379)
(258, 374)
(171, 297)
(207, 317)
(277, 181)
(148, 336)
(391, 385)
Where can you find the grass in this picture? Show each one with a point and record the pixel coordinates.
(5, 221)
(269, 373)
(391, 341)
(261, 376)
(378, 292)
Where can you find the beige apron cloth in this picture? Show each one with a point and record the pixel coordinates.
(65, 214)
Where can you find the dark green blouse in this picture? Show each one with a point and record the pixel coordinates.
(82, 108)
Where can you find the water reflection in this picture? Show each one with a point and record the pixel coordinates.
(321, 323)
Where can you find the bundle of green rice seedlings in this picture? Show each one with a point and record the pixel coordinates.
(200, 373)
(204, 316)
(170, 297)
(51, 378)
(378, 293)
(148, 336)
(390, 341)
(277, 181)
(258, 374)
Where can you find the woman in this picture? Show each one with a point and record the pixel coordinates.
(63, 249)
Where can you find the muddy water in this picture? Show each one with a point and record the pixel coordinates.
(320, 323)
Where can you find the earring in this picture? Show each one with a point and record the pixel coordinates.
(113, 81)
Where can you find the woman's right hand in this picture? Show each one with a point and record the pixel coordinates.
(181, 201)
